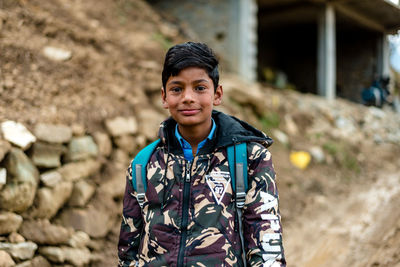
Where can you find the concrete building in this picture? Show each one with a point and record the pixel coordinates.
(327, 47)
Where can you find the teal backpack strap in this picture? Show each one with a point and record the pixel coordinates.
(139, 164)
(237, 160)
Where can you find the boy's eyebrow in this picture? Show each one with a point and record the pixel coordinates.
(175, 82)
(196, 81)
(201, 80)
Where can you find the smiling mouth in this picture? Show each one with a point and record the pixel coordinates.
(189, 112)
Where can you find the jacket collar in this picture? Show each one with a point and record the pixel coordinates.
(230, 130)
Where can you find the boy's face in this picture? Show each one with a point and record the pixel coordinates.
(190, 97)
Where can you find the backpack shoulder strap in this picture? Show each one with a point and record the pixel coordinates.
(139, 164)
(237, 160)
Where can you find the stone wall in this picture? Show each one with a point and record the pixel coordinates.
(61, 188)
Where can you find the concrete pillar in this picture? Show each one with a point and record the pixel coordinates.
(383, 65)
(247, 38)
(243, 38)
(326, 73)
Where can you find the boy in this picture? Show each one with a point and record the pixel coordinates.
(189, 216)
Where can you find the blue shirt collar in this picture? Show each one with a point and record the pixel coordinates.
(187, 148)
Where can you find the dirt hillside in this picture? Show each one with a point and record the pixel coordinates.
(342, 210)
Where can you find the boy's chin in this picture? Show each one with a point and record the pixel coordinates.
(188, 122)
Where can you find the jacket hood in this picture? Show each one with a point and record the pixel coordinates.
(229, 130)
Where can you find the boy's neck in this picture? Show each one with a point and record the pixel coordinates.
(195, 134)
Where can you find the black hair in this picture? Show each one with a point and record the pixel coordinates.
(190, 54)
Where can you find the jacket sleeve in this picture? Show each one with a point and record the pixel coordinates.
(131, 226)
(261, 218)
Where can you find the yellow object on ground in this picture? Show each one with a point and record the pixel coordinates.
(300, 159)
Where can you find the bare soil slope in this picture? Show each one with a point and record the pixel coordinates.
(116, 48)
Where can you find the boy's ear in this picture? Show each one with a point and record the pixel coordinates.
(218, 95)
(164, 98)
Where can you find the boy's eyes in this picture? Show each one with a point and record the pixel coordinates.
(200, 88)
(179, 89)
(175, 89)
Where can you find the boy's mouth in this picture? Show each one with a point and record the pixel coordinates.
(189, 112)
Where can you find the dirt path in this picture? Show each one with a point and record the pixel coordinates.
(351, 231)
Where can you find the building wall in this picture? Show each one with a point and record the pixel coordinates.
(207, 19)
(227, 26)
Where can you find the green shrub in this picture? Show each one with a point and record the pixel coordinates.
(270, 120)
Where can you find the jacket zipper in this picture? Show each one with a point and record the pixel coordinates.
(185, 214)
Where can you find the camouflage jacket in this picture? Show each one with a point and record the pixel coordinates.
(188, 217)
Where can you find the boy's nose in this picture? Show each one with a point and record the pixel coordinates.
(188, 95)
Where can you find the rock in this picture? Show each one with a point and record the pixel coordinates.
(16, 238)
(20, 251)
(78, 129)
(345, 125)
(78, 170)
(281, 136)
(378, 138)
(17, 197)
(49, 200)
(81, 193)
(115, 187)
(391, 137)
(141, 141)
(53, 133)
(126, 142)
(24, 264)
(18, 194)
(96, 244)
(51, 178)
(103, 143)
(169, 30)
(150, 65)
(9, 222)
(6, 260)
(38, 261)
(81, 148)
(149, 121)
(4, 148)
(120, 159)
(54, 254)
(376, 112)
(291, 126)
(9, 83)
(21, 167)
(247, 94)
(152, 86)
(17, 134)
(79, 240)
(56, 54)
(3, 177)
(75, 256)
(121, 126)
(94, 220)
(317, 153)
(47, 155)
(44, 233)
